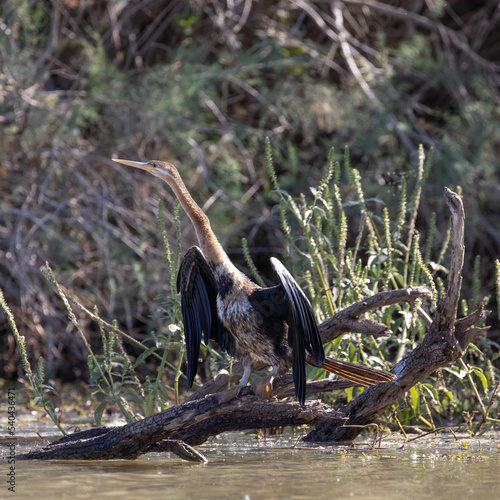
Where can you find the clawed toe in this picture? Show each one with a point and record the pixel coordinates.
(263, 388)
(229, 394)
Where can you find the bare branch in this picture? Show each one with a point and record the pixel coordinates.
(197, 419)
(440, 347)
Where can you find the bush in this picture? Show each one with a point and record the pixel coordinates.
(183, 81)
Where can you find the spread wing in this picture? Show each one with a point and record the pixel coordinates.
(303, 333)
(198, 288)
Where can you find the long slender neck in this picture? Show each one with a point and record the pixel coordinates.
(207, 240)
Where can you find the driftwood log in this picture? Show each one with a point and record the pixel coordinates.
(207, 413)
(446, 341)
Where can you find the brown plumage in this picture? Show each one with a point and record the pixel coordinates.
(273, 325)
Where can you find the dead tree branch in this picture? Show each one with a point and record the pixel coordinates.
(347, 320)
(446, 341)
(137, 438)
(204, 415)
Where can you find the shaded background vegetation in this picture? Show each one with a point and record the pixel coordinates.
(202, 83)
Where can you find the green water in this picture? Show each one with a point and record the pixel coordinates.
(240, 467)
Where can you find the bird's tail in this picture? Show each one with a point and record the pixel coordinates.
(359, 374)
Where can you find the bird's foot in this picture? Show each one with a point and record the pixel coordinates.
(229, 394)
(263, 388)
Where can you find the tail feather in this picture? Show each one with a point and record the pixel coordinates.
(354, 372)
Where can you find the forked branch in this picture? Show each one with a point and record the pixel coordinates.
(445, 342)
(206, 413)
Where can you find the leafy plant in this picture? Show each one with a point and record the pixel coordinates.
(342, 250)
(112, 374)
(36, 381)
(385, 254)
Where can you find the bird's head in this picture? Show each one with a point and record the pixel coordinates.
(161, 169)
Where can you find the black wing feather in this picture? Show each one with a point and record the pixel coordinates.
(198, 288)
(303, 333)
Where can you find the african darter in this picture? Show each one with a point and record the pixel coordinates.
(274, 325)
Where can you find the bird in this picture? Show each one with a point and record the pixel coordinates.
(274, 325)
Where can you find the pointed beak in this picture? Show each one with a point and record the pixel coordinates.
(137, 164)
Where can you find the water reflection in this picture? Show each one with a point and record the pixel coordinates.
(242, 468)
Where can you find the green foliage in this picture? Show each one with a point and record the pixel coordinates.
(340, 275)
(111, 374)
(342, 252)
(386, 255)
(251, 265)
(77, 87)
(36, 382)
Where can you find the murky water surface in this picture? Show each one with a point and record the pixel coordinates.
(241, 467)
